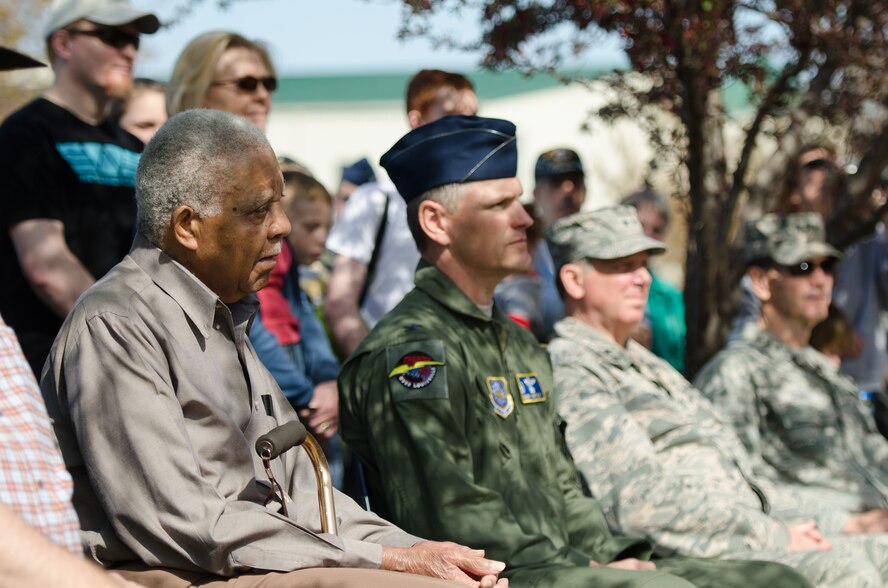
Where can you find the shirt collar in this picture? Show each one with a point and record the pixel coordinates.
(198, 302)
(773, 347)
(439, 287)
(579, 332)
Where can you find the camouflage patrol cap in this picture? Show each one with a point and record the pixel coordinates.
(606, 233)
(788, 239)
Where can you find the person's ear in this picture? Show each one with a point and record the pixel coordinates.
(59, 41)
(761, 282)
(579, 195)
(414, 119)
(185, 227)
(435, 222)
(572, 278)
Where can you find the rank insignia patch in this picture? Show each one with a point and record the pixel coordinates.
(415, 370)
(529, 388)
(498, 390)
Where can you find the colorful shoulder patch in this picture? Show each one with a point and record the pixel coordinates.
(415, 370)
(498, 390)
(529, 388)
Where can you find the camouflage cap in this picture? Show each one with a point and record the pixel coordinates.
(788, 239)
(606, 233)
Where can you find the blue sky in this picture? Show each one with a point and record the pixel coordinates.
(314, 36)
(305, 36)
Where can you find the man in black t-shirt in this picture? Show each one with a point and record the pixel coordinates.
(67, 203)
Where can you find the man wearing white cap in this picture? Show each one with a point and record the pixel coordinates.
(68, 206)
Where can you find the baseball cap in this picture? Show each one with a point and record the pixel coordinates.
(788, 239)
(606, 233)
(556, 162)
(102, 12)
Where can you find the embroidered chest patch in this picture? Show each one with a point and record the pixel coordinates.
(415, 370)
(498, 391)
(529, 388)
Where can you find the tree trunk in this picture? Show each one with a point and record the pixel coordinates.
(709, 281)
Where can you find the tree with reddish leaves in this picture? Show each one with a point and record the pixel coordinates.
(813, 68)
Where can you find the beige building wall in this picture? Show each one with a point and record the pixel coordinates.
(326, 136)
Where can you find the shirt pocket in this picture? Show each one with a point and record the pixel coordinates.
(656, 413)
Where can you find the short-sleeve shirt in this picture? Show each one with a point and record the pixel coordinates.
(354, 236)
(56, 166)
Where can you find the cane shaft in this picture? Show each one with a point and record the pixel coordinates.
(325, 484)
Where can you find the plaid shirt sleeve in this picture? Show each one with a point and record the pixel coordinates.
(33, 478)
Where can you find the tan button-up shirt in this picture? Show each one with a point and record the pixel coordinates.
(158, 399)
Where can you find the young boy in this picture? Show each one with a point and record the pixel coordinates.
(288, 336)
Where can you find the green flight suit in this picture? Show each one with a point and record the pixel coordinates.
(451, 412)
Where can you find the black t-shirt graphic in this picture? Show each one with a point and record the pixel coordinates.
(55, 166)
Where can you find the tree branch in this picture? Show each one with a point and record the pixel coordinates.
(775, 92)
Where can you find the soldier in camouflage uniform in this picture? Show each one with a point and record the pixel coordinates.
(449, 404)
(800, 419)
(651, 448)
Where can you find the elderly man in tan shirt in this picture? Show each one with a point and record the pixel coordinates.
(158, 397)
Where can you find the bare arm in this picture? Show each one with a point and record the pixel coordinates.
(28, 559)
(56, 275)
(342, 310)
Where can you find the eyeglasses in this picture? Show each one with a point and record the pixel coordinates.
(112, 37)
(806, 268)
(250, 83)
(819, 164)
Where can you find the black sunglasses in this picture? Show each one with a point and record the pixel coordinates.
(806, 268)
(820, 164)
(250, 83)
(112, 37)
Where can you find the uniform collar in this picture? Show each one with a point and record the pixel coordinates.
(434, 283)
(577, 331)
(807, 358)
(198, 302)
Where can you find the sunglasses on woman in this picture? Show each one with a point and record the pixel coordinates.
(806, 268)
(250, 83)
(112, 37)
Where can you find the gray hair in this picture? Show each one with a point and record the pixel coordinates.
(185, 164)
(447, 196)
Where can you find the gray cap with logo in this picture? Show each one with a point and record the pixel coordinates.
(102, 12)
(788, 239)
(606, 233)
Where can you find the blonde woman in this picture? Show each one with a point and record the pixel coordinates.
(225, 71)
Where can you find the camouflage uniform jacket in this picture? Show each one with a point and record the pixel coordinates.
(799, 418)
(451, 411)
(657, 455)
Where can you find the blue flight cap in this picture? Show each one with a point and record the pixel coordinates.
(359, 172)
(453, 149)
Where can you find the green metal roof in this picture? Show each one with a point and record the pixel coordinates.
(390, 86)
(488, 85)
